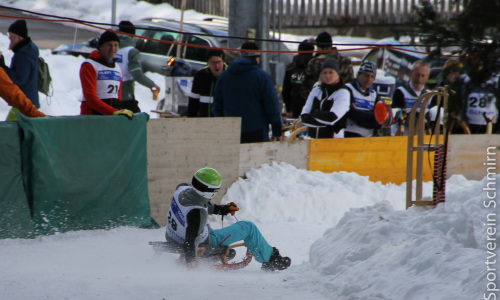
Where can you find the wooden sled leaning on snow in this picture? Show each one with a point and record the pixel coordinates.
(218, 257)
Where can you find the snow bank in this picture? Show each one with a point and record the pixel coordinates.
(424, 251)
(315, 197)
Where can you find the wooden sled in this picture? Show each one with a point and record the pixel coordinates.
(218, 257)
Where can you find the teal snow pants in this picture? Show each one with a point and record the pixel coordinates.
(243, 231)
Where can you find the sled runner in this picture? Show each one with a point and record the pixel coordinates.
(219, 257)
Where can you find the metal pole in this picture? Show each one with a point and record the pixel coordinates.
(263, 33)
(183, 8)
(113, 12)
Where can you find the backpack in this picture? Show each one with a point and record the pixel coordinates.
(44, 79)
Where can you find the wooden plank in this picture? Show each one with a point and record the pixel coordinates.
(178, 147)
(254, 155)
(467, 155)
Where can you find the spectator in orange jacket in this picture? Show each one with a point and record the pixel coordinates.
(13, 95)
(102, 78)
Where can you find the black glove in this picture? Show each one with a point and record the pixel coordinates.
(229, 208)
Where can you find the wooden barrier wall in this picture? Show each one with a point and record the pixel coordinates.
(381, 158)
(468, 153)
(178, 147)
(294, 153)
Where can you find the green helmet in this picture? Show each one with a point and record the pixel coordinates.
(206, 182)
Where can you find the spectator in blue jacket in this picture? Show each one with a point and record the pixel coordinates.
(244, 90)
(23, 70)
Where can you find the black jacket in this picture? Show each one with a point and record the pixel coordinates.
(292, 84)
(203, 88)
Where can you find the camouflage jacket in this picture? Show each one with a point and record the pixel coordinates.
(314, 68)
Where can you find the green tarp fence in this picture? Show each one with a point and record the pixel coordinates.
(84, 172)
(15, 219)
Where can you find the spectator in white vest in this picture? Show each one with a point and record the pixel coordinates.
(129, 60)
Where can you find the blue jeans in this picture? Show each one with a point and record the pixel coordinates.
(246, 231)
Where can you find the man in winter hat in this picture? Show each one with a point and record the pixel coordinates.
(361, 120)
(129, 60)
(324, 43)
(101, 79)
(23, 70)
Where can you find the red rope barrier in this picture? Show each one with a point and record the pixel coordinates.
(220, 48)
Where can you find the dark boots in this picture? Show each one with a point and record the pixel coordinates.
(276, 262)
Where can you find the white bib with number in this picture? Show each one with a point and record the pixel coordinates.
(108, 80)
(478, 104)
(177, 219)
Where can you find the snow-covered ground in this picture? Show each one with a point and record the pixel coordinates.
(348, 238)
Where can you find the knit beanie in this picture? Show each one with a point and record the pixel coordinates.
(367, 66)
(215, 52)
(324, 40)
(19, 27)
(107, 36)
(126, 27)
(330, 63)
(306, 46)
(249, 46)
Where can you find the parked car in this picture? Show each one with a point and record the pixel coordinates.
(155, 54)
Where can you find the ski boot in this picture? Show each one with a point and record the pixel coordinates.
(276, 262)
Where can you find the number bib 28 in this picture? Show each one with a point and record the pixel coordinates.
(479, 103)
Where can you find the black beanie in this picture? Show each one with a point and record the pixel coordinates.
(107, 36)
(249, 46)
(19, 27)
(330, 63)
(126, 27)
(305, 45)
(215, 52)
(324, 40)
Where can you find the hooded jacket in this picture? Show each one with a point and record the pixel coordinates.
(23, 69)
(244, 90)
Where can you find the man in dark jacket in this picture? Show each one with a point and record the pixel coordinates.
(244, 90)
(294, 75)
(23, 70)
(324, 43)
(202, 92)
